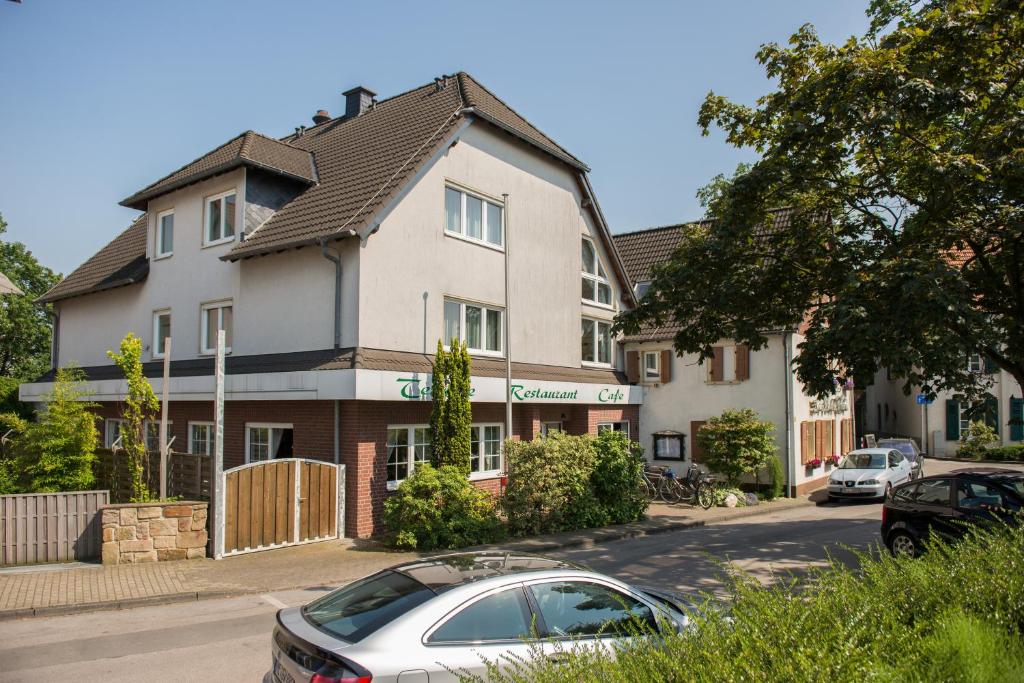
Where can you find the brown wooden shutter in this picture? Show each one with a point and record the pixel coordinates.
(697, 454)
(824, 444)
(717, 370)
(742, 362)
(632, 366)
(666, 366)
(830, 438)
(806, 442)
(846, 435)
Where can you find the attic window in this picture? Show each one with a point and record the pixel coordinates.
(472, 217)
(220, 218)
(595, 281)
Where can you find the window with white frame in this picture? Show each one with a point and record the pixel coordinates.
(547, 428)
(485, 448)
(267, 441)
(200, 438)
(975, 363)
(153, 434)
(641, 288)
(479, 327)
(164, 233)
(596, 288)
(652, 366)
(408, 446)
(111, 431)
(614, 426)
(214, 317)
(473, 217)
(668, 446)
(220, 218)
(161, 331)
(596, 342)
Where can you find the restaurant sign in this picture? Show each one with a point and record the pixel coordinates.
(836, 405)
(418, 387)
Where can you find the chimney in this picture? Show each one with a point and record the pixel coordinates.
(357, 101)
(321, 116)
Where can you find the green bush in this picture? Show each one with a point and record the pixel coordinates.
(776, 480)
(887, 620)
(618, 471)
(722, 492)
(976, 440)
(737, 442)
(440, 508)
(1005, 453)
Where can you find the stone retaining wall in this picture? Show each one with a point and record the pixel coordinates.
(154, 532)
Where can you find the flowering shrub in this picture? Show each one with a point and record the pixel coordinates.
(811, 464)
(833, 460)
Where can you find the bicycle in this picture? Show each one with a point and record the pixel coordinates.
(650, 480)
(694, 488)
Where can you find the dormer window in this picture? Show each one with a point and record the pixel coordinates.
(220, 218)
(595, 281)
(164, 234)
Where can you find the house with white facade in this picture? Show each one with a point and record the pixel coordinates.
(334, 259)
(937, 426)
(680, 394)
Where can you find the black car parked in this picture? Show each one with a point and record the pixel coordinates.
(948, 504)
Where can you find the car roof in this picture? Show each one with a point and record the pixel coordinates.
(872, 451)
(445, 572)
(988, 471)
(896, 439)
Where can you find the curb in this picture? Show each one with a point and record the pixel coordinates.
(585, 539)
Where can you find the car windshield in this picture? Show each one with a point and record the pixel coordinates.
(357, 610)
(863, 461)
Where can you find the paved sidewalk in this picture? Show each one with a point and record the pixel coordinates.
(46, 591)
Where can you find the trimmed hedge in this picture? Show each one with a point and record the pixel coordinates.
(955, 614)
(1003, 453)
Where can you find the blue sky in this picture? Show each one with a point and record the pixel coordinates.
(97, 99)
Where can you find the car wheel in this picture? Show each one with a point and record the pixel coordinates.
(902, 544)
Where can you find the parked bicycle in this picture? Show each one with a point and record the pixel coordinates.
(695, 488)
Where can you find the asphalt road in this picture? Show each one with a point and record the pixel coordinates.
(229, 639)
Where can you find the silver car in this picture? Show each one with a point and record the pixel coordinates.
(432, 619)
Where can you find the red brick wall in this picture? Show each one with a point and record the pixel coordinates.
(364, 437)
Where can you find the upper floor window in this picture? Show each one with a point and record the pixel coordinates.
(652, 366)
(595, 280)
(216, 316)
(479, 327)
(161, 331)
(164, 234)
(220, 218)
(596, 342)
(473, 217)
(641, 288)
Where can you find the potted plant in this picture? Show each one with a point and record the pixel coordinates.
(813, 464)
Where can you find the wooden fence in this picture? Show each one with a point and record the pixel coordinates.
(189, 477)
(51, 527)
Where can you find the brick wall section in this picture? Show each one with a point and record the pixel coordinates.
(364, 437)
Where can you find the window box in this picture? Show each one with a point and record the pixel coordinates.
(473, 217)
(476, 325)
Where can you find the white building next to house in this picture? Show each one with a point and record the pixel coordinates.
(680, 394)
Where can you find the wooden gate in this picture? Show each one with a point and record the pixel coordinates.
(281, 502)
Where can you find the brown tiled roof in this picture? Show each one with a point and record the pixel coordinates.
(122, 262)
(357, 358)
(361, 163)
(247, 149)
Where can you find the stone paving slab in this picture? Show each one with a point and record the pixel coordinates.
(330, 563)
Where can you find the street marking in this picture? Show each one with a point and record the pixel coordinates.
(273, 602)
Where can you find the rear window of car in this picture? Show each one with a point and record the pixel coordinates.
(357, 610)
(904, 494)
(904, 447)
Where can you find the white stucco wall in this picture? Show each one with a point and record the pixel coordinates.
(410, 265)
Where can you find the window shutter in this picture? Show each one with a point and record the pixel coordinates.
(632, 366)
(819, 439)
(1016, 419)
(846, 435)
(952, 420)
(717, 364)
(742, 362)
(806, 442)
(830, 438)
(992, 412)
(698, 453)
(666, 366)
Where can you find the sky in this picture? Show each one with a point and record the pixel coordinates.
(100, 98)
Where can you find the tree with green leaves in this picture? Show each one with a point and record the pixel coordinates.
(737, 442)
(897, 157)
(140, 404)
(451, 415)
(56, 453)
(25, 329)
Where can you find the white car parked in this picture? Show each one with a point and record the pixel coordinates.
(868, 473)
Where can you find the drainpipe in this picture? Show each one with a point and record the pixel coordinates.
(787, 369)
(55, 340)
(335, 258)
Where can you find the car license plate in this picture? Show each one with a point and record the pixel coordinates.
(281, 674)
(847, 489)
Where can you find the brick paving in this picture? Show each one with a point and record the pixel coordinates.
(24, 591)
